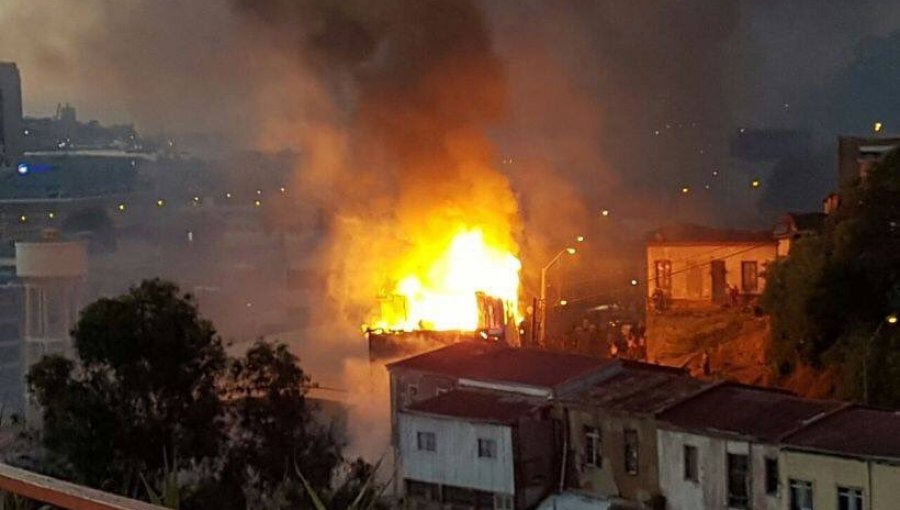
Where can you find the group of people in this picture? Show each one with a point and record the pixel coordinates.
(615, 339)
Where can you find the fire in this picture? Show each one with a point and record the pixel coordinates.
(441, 295)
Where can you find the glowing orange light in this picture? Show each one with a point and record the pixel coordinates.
(442, 295)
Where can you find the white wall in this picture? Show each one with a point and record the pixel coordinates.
(710, 492)
(827, 472)
(456, 460)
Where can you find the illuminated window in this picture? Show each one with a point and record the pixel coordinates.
(663, 274)
(749, 276)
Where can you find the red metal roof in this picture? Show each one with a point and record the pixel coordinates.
(486, 361)
(761, 413)
(478, 405)
(853, 430)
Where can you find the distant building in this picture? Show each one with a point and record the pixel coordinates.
(847, 460)
(793, 226)
(857, 155)
(12, 388)
(53, 274)
(10, 115)
(720, 449)
(695, 265)
(612, 426)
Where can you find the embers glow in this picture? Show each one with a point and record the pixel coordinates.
(442, 296)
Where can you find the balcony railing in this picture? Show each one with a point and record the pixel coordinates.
(62, 494)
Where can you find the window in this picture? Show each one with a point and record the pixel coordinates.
(426, 441)
(592, 455)
(663, 274)
(487, 449)
(690, 463)
(850, 498)
(631, 451)
(771, 476)
(738, 481)
(801, 495)
(749, 276)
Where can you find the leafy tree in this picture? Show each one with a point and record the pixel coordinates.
(830, 297)
(145, 387)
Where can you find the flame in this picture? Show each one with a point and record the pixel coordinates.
(442, 295)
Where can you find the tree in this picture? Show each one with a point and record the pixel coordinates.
(145, 388)
(832, 294)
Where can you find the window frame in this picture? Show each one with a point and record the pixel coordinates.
(426, 441)
(734, 499)
(691, 475)
(593, 443)
(662, 275)
(858, 492)
(488, 446)
(746, 281)
(806, 485)
(631, 444)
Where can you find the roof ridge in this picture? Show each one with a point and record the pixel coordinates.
(824, 415)
(703, 389)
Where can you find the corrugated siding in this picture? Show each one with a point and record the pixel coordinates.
(456, 460)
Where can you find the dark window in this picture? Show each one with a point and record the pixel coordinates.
(749, 276)
(738, 481)
(690, 463)
(592, 454)
(487, 448)
(801, 495)
(631, 451)
(426, 441)
(850, 498)
(771, 476)
(663, 274)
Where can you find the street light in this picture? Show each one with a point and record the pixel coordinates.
(890, 319)
(569, 250)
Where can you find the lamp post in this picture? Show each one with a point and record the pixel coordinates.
(543, 328)
(890, 319)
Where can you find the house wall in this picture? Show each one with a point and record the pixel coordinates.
(691, 275)
(827, 472)
(710, 492)
(455, 461)
(611, 478)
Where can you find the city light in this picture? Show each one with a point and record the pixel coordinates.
(51, 215)
(23, 218)
(891, 319)
(257, 203)
(579, 239)
(121, 207)
(228, 195)
(634, 282)
(877, 127)
(563, 302)
(570, 251)
(259, 192)
(755, 183)
(22, 169)
(605, 212)
(160, 203)
(196, 199)
(685, 190)
(282, 189)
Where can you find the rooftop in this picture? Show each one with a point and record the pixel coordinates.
(761, 413)
(477, 405)
(484, 361)
(697, 234)
(854, 430)
(642, 388)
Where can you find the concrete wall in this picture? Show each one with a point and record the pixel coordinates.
(880, 482)
(691, 275)
(455, 461)
(710, 492)
(611, 478)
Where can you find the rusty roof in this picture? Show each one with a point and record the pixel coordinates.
(642, 388)
(478, 406)
(687, 233)
(853, 430)
(485, 361)
(761, 413)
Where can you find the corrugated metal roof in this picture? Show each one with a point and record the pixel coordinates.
(486, 361)
(478, 405)
(642, 388)
(760, 413)
(853, 430)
